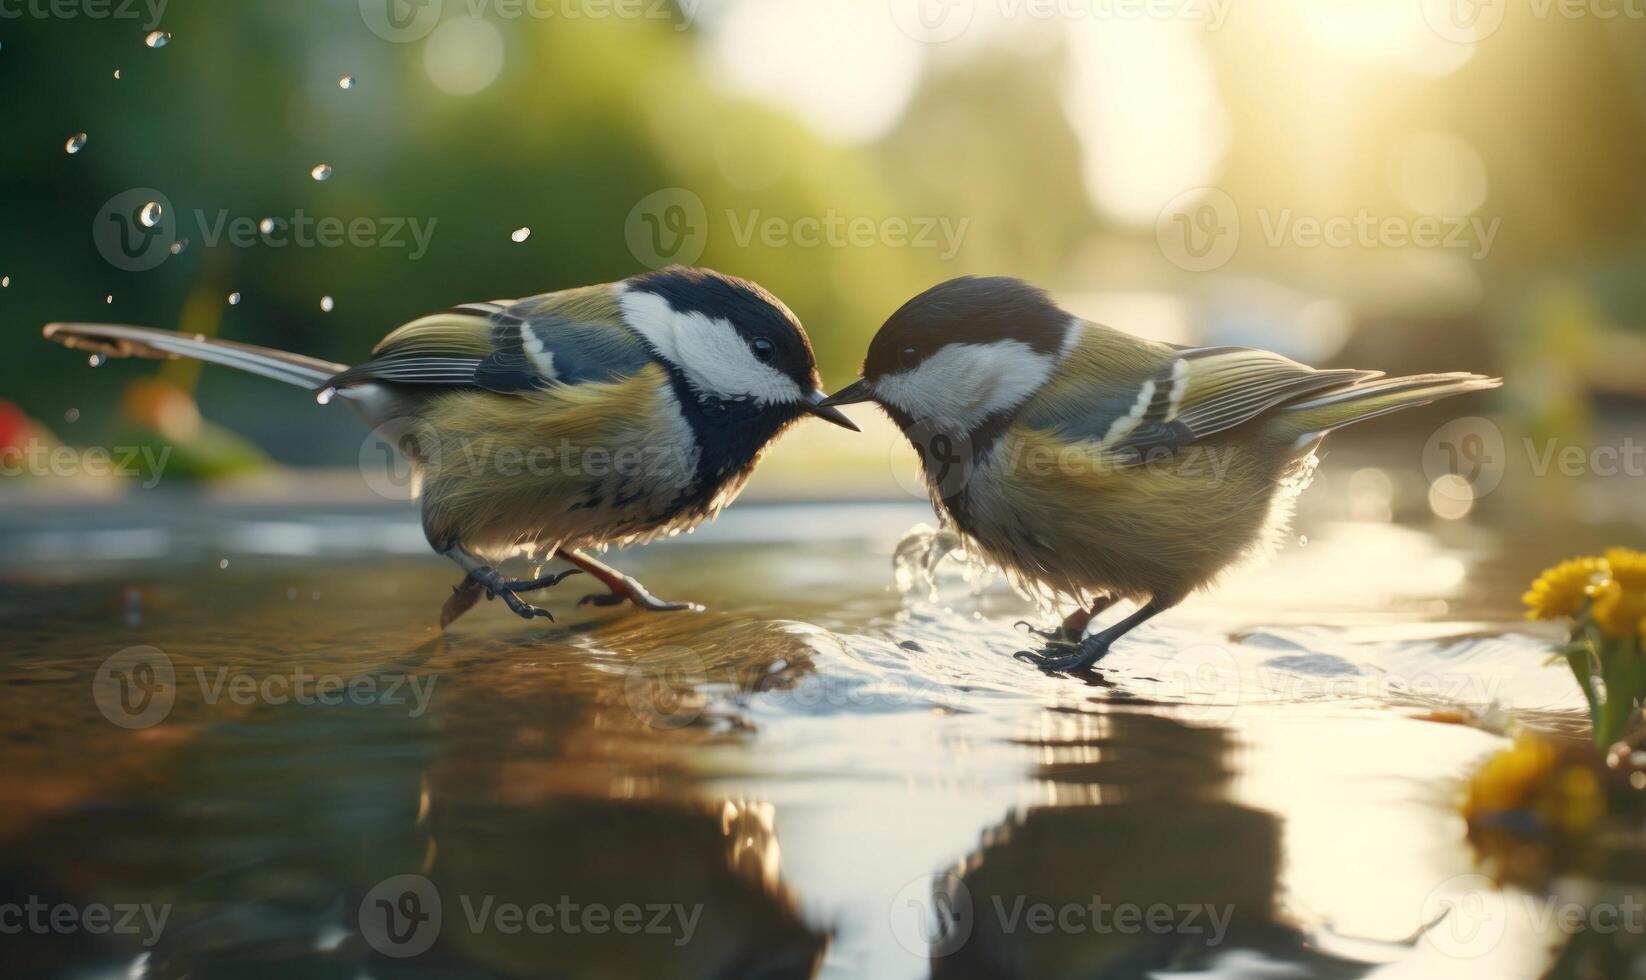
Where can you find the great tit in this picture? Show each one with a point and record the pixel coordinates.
(1093, 466)
(605, 415)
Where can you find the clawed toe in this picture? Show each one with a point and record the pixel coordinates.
(534, 584)
(521, 608)
(1081, 660)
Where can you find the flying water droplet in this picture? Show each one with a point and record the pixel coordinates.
(157, 39)
(521, 234)
(96, 360)
(117, 74)
(109, 299)
(325, 396)
(178, 246)
(346, 82)
(223, 564)
(1303, 541)
(234, 299)
(72, 415)
(327, 304)
(75, 143)
(321, 171)
(151, 214)
(266, 226)
(5, 282)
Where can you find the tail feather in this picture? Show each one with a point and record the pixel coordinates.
(1369, 399)
(114, 340)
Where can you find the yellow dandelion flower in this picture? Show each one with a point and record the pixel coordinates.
(1628, 566)
(1510, 779)
(1559, 591)
(1617, 610)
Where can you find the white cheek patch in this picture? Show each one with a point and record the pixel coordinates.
(963, 384)
(714, 358)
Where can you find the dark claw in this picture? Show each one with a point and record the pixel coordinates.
(523, 609)
(1056, 637)
(534, 584)
(1080, 660)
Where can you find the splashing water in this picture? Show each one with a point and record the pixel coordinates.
(266, 226)
(327, 304)
(234, 299)
(922, 549)
(75, 143)
(521, 234)
(157, 39)
(346, 82)
(321, 171)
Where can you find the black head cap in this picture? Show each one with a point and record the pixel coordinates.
(761, 319)
(969, 310)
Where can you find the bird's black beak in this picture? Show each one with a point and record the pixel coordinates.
(857, 391)
(820, 406)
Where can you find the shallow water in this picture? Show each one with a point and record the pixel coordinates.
(818, 770)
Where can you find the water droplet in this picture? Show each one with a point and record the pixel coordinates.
(346, 82)
(325, 396)
(327, 304)
(266, 226)
(96, 360)
(321, 171)
(178, 246)
(117, 74)
(521, 234)
(75, 143)
(158, 39)
(72, 415)
(5, 282)
(223, 564)
(150, 215)
(109, 299)
(234, 299)
(1303, 541)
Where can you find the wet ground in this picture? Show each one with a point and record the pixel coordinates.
(240, 730)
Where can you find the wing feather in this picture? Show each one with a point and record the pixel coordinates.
(509, 346)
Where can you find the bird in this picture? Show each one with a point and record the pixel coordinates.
(610, 414)
(1092, 466)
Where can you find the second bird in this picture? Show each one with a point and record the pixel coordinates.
(1094, 466)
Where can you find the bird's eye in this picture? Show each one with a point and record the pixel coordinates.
(764, 349)
(908, 356)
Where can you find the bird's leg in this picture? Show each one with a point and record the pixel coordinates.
(1074, 625)
(1092, 649)
(622, 587)
(482, 576)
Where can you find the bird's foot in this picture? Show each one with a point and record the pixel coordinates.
(630, 590)
(491, 583)
(534, 584)
(1087, 653)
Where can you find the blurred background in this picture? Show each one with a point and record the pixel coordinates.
(1395, 184)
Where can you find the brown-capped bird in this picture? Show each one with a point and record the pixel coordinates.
(1093, 466)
